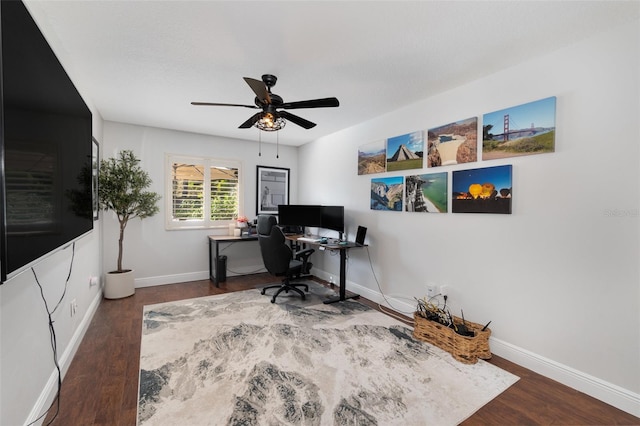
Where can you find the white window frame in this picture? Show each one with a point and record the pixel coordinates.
(207, 163)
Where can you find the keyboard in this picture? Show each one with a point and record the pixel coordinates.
(309, 240)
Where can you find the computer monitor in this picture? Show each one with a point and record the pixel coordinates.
(299, 215)
(333, 218)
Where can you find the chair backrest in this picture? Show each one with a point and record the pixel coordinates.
(276, 254)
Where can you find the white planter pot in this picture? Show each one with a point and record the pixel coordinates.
(119, 284)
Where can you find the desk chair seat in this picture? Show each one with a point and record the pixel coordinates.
(279, 259)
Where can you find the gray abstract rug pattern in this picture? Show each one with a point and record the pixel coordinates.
(237, 359)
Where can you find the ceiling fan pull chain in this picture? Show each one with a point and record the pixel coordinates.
(278, 144)
(259, 143)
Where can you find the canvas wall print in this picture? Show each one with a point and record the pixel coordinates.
(486, 190)
(405, 152)
(386, 193)
(522, 130)
(372, 158)
(426, 193)
(453, 143)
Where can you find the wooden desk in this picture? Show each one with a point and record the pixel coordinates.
(342, 248)
(214, 252)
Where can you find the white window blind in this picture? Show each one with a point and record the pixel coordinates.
(205, 192)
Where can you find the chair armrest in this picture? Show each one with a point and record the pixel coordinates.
(303, 254)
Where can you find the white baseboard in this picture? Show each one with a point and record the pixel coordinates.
(51, 388)
(609, 393)
(604, 391)
(171, 279)
(191, 276)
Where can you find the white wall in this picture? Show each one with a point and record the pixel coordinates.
(558, 278)
(159, 256)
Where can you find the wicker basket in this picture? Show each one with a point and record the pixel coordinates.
(465, 349)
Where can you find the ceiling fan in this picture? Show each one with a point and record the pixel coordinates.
(271, 118)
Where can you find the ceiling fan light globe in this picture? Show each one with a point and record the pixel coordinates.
(270, 123)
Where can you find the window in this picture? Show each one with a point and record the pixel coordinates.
(202, 192)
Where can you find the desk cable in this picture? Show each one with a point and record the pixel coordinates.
(53, 338)
(257, 271)
(394, 312)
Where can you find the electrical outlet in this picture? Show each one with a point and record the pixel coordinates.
(331, 280)
(73, 307)
(93, 281)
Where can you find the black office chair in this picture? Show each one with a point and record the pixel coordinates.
(279, 259)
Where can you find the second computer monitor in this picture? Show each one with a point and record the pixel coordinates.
(333, 218)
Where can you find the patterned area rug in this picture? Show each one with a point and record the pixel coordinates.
(237, 359)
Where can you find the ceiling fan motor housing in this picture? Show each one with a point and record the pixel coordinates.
(269, 80)
(276, 101)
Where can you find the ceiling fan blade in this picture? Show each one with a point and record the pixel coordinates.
(260, 89)
(250, 122)
(219, 104)
(296, 120)
(313, 103)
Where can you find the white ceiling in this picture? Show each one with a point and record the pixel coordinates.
(143, 62)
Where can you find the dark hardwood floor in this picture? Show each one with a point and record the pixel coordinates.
(101, 386)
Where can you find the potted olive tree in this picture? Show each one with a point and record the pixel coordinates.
(122, 184)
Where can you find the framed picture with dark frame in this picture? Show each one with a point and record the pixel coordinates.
(95, 167)
(272, 189)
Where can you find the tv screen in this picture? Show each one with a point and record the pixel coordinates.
(45, 147)
(333, 218)
(299, 215)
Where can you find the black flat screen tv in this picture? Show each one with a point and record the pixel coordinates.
(45, 147)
